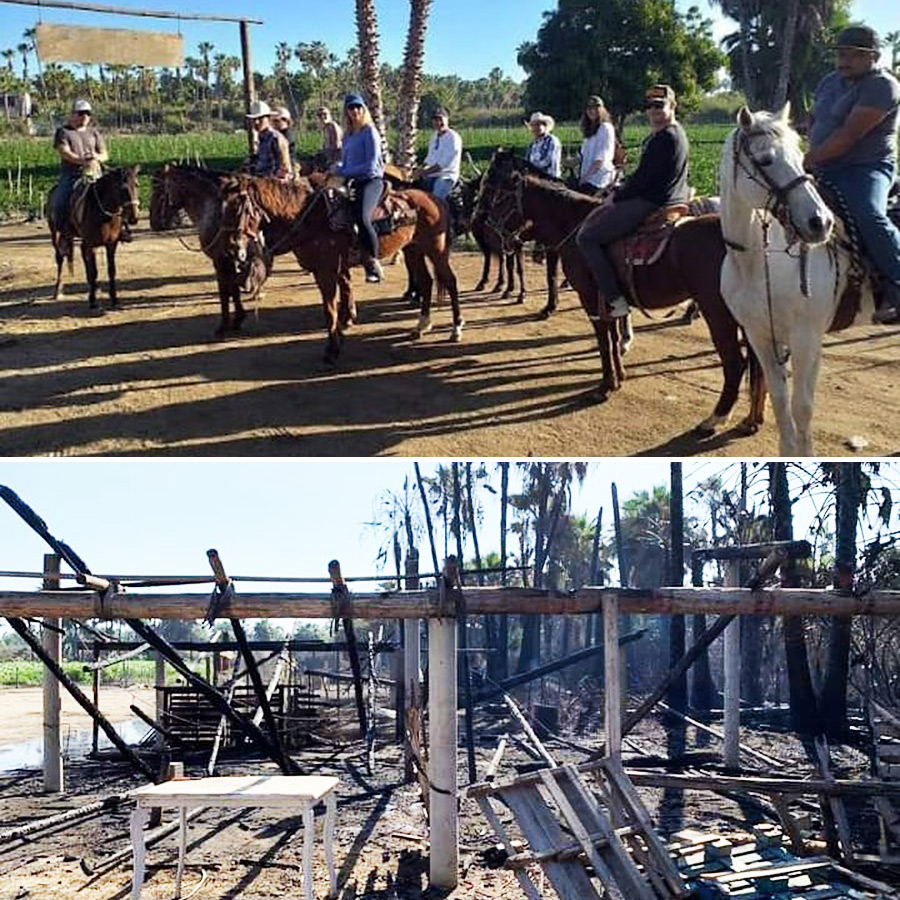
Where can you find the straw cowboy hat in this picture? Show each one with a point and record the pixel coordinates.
(539, 118)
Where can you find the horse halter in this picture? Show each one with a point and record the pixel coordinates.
(118, 210)
(510, 237)
(758, 174)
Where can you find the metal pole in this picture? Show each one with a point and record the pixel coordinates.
(249, 88)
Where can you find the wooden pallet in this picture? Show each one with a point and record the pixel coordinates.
(573, 837)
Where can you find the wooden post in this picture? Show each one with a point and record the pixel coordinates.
(160, 683)
(249, 88)
(52, 643)
(95, 684)
(731, 753)
(442, 739)
(612, 687)
(412, 664)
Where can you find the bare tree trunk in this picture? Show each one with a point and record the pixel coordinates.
(502, 655)
(833, 699)
(367, 35)
(677, 694)
(408, 111)
(427, 514)
(749, 79)
(791, 13)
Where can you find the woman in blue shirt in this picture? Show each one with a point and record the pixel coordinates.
(363, 166)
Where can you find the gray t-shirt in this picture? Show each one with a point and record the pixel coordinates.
(834, 100)
(78, 142)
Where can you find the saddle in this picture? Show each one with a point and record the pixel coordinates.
(89, 174)
(392, 212)
(646, 245)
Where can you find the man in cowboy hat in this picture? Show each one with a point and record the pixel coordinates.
(444, 158)
(545, 150)
(81, 150)
(272, 157)
(660, 179)
(853, 147)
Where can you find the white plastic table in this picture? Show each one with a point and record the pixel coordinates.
(280, 791)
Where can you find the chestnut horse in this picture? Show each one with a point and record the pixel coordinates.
(109, 202)
(689, 267)
(272, 216)
(199, 192)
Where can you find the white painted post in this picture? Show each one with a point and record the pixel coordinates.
(612, 687)
(731, 752)
(51, 640)
(412, 689)
(443, 737)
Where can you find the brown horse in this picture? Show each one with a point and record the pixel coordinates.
(315, 224)
(688, 268)
(198, 191)
(106, 205)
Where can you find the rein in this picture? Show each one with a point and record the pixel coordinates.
(117, 211)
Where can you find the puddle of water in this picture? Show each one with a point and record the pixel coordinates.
(76, 744)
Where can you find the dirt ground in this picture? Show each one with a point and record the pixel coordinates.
(23, 709)
(381, 846)
(149, 379)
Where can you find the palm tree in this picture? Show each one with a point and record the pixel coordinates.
(30, 35)
(24, 49)
(408, 105)
(367, 39)
(205, 48)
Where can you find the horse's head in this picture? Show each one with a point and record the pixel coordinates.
(498, 204)
(762, 162)
(165, 207)
(129, 194)
(241, 229)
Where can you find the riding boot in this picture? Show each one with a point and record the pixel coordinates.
(374, 272)
(888, 311)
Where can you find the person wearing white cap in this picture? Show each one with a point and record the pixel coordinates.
(545, 150)
(81, 149)
(281, 122)
(272, 157)
(444, 158)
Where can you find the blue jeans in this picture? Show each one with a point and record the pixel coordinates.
(368, 193)
(440, 185)
(61, 197)
(864, 190)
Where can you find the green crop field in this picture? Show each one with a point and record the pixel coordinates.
(29, 672)
(28, 166)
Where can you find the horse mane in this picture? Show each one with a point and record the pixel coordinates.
(559, 188)
(775, 126)
(276, 198)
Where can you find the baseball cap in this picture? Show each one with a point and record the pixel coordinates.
(81, 106)
(857, 37)
(659, 92)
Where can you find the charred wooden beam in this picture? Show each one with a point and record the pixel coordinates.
(311, 646)
(479, 601)
(63, 818)
(221, 703)
(156, 726)
(225, 593)
(21, 629)
(340, 601)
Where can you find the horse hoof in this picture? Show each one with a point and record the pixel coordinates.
(456, 334)
(423, 326)
(748, 427)
(544, 314)
(520, 298)
(478, 287)
(625, 348)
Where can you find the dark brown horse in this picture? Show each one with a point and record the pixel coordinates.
(313, 223)
(106, 205)
(688, 268)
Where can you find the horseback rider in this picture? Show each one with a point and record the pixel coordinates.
(282, 122)
(272, 157)
(332, 136)
(597, 169)
(440, 172)
(545, 149)
(660, 179)
(853, 145)
(81, 150)
(362, 164)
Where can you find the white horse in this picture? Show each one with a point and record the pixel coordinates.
(787, 266)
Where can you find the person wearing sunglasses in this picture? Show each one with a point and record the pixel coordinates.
(853, 147)
(362, 164)
(660, 179)
(81, 150)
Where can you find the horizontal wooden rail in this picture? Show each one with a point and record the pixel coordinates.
(427, 603)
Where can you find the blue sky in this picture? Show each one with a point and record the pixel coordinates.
(465, 37)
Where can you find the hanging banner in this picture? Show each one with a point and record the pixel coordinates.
(113, 46)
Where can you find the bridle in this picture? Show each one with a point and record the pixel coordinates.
(757, 172)
(132, 201)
